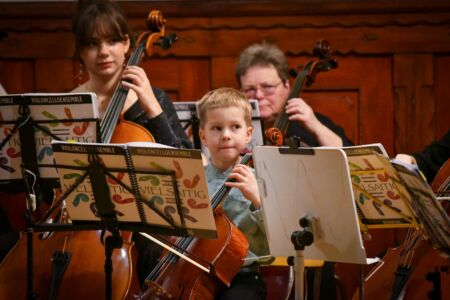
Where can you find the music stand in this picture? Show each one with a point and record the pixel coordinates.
(37, 118)
(311, 186)
(100, 170)
(188, 116)
(29, 123)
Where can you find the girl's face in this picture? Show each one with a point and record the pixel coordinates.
(226, 135)
(104, 57)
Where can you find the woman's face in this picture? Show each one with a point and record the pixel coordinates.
(263, 84)
(104, 57)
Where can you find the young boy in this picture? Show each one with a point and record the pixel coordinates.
(225, 128)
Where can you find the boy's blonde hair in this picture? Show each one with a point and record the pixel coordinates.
(224, 97)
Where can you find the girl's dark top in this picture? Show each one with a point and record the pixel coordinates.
(165, 128)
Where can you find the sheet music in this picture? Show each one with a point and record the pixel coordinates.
(434, 220)
(46, 109)
(158, 172)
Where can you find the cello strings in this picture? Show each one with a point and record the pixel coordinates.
(173, 251)
(117, 101)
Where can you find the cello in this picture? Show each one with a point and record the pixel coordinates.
(175, 278)
(76, 258)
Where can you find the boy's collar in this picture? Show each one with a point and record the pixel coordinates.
(218, 171)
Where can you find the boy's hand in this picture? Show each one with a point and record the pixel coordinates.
(246, 183)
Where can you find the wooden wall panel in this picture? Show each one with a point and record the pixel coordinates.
(442, 95)
(222, 72)
(414, 101)
(38, 43)
(17, 76)
(341, 106)
(183, 79)
(55, 75)
(344, 40)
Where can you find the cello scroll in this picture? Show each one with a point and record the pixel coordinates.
(156, 36)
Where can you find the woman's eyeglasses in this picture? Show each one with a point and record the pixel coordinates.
(266, 89)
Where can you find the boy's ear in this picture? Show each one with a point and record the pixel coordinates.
(249, 134)
(201, 134)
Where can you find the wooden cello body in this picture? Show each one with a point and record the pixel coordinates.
(175, 278)
(84, 277)
(178, 279)
(430, 274)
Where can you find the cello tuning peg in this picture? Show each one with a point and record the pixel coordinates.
(333, 63)
(172, 37)
(166, 42)
(327, 65)
(322, 49)
(293, 73)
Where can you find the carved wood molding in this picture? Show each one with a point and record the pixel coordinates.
(437, 19)
(216, 43)
(233, 8)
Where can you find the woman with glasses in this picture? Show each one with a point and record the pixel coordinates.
(262, 73)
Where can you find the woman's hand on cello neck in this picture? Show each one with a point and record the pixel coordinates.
(135, 79)
(298, 110)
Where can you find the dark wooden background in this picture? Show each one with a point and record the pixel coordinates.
(392, 84)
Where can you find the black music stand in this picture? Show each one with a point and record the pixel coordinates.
(187, 113)
(308, 188)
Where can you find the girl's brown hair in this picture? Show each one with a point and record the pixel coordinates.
(100, 18)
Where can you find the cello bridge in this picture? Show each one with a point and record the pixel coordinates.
(155, 289)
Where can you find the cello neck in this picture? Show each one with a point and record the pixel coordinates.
(147, 40)
(282, 121)
(441, 182)
(223, 191)
(118, 99)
